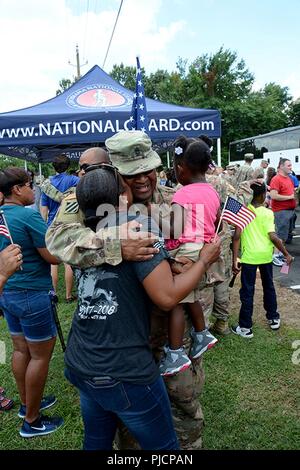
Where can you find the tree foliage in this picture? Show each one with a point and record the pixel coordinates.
(217, 81)
(294, 113)
(64, 84)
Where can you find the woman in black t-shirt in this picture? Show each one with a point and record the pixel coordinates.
(108, 356)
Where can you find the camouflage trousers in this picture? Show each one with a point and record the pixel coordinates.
(215, 301)
(183, 389)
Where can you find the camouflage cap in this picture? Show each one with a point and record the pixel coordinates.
(249, 155)
(131, 152)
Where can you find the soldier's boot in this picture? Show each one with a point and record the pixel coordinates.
(221, 327)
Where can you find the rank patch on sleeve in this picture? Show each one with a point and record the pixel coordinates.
(72, 207)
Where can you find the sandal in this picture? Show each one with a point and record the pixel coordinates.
(71, 299)
(5, 403)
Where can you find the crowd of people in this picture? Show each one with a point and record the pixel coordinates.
(153, 263)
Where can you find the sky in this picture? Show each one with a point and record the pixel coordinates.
(39, 37)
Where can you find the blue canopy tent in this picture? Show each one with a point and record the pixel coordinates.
(90, 111)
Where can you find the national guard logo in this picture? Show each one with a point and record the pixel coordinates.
(98, 96)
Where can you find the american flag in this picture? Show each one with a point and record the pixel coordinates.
(138, 119)
(3, 227)
(237, 214)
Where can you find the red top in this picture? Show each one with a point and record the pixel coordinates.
(285, 187)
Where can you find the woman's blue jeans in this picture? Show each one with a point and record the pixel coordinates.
(144, 409)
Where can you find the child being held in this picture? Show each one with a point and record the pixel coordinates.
(257, 244)
(196, 209)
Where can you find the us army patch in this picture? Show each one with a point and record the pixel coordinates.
(72, 207)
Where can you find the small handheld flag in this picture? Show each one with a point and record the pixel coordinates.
(237, 214)
(4, 230)
(138, 118)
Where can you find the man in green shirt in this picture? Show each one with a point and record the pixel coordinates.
(257, 243)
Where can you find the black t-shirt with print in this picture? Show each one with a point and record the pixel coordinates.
(111, 326)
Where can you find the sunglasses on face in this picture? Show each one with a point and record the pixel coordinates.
(131, 177)
(86, 167)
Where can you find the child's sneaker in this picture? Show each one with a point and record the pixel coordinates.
(41, 426)
(201, 342)
(46, 402)
(274, 324)
(243, 332)
(175, 360)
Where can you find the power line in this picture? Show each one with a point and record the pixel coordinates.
(85, 29)
(112, 34)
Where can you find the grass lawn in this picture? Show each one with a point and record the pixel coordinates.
(251, 398)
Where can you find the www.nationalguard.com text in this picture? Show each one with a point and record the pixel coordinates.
(101, 126)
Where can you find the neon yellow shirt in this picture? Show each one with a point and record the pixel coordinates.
(257, 247)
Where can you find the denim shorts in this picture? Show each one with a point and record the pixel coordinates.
(29, 313)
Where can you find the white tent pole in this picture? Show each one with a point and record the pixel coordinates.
(219, 151)
(168, 159)
(25, 165)
(40, 169)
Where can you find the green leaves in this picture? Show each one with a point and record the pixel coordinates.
(222, 81)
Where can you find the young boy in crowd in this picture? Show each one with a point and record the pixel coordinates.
(257, 243)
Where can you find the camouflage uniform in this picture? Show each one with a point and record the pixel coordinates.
(54, 194)
(215, 296)
(70, 241)
(244, 173)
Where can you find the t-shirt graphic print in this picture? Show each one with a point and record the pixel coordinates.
(95, 303)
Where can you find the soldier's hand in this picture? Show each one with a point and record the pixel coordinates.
(211, 252)
(139, 249)
(135, 245)
(181, 265)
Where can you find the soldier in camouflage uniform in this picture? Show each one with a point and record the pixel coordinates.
(229, 174)
(245, 172)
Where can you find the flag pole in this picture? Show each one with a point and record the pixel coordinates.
(220, 220)
(8, 231)
(9, 234)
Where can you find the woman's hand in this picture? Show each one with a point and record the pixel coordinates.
(10, 261)
(181, 264)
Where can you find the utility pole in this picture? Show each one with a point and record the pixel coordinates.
(77, 65)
